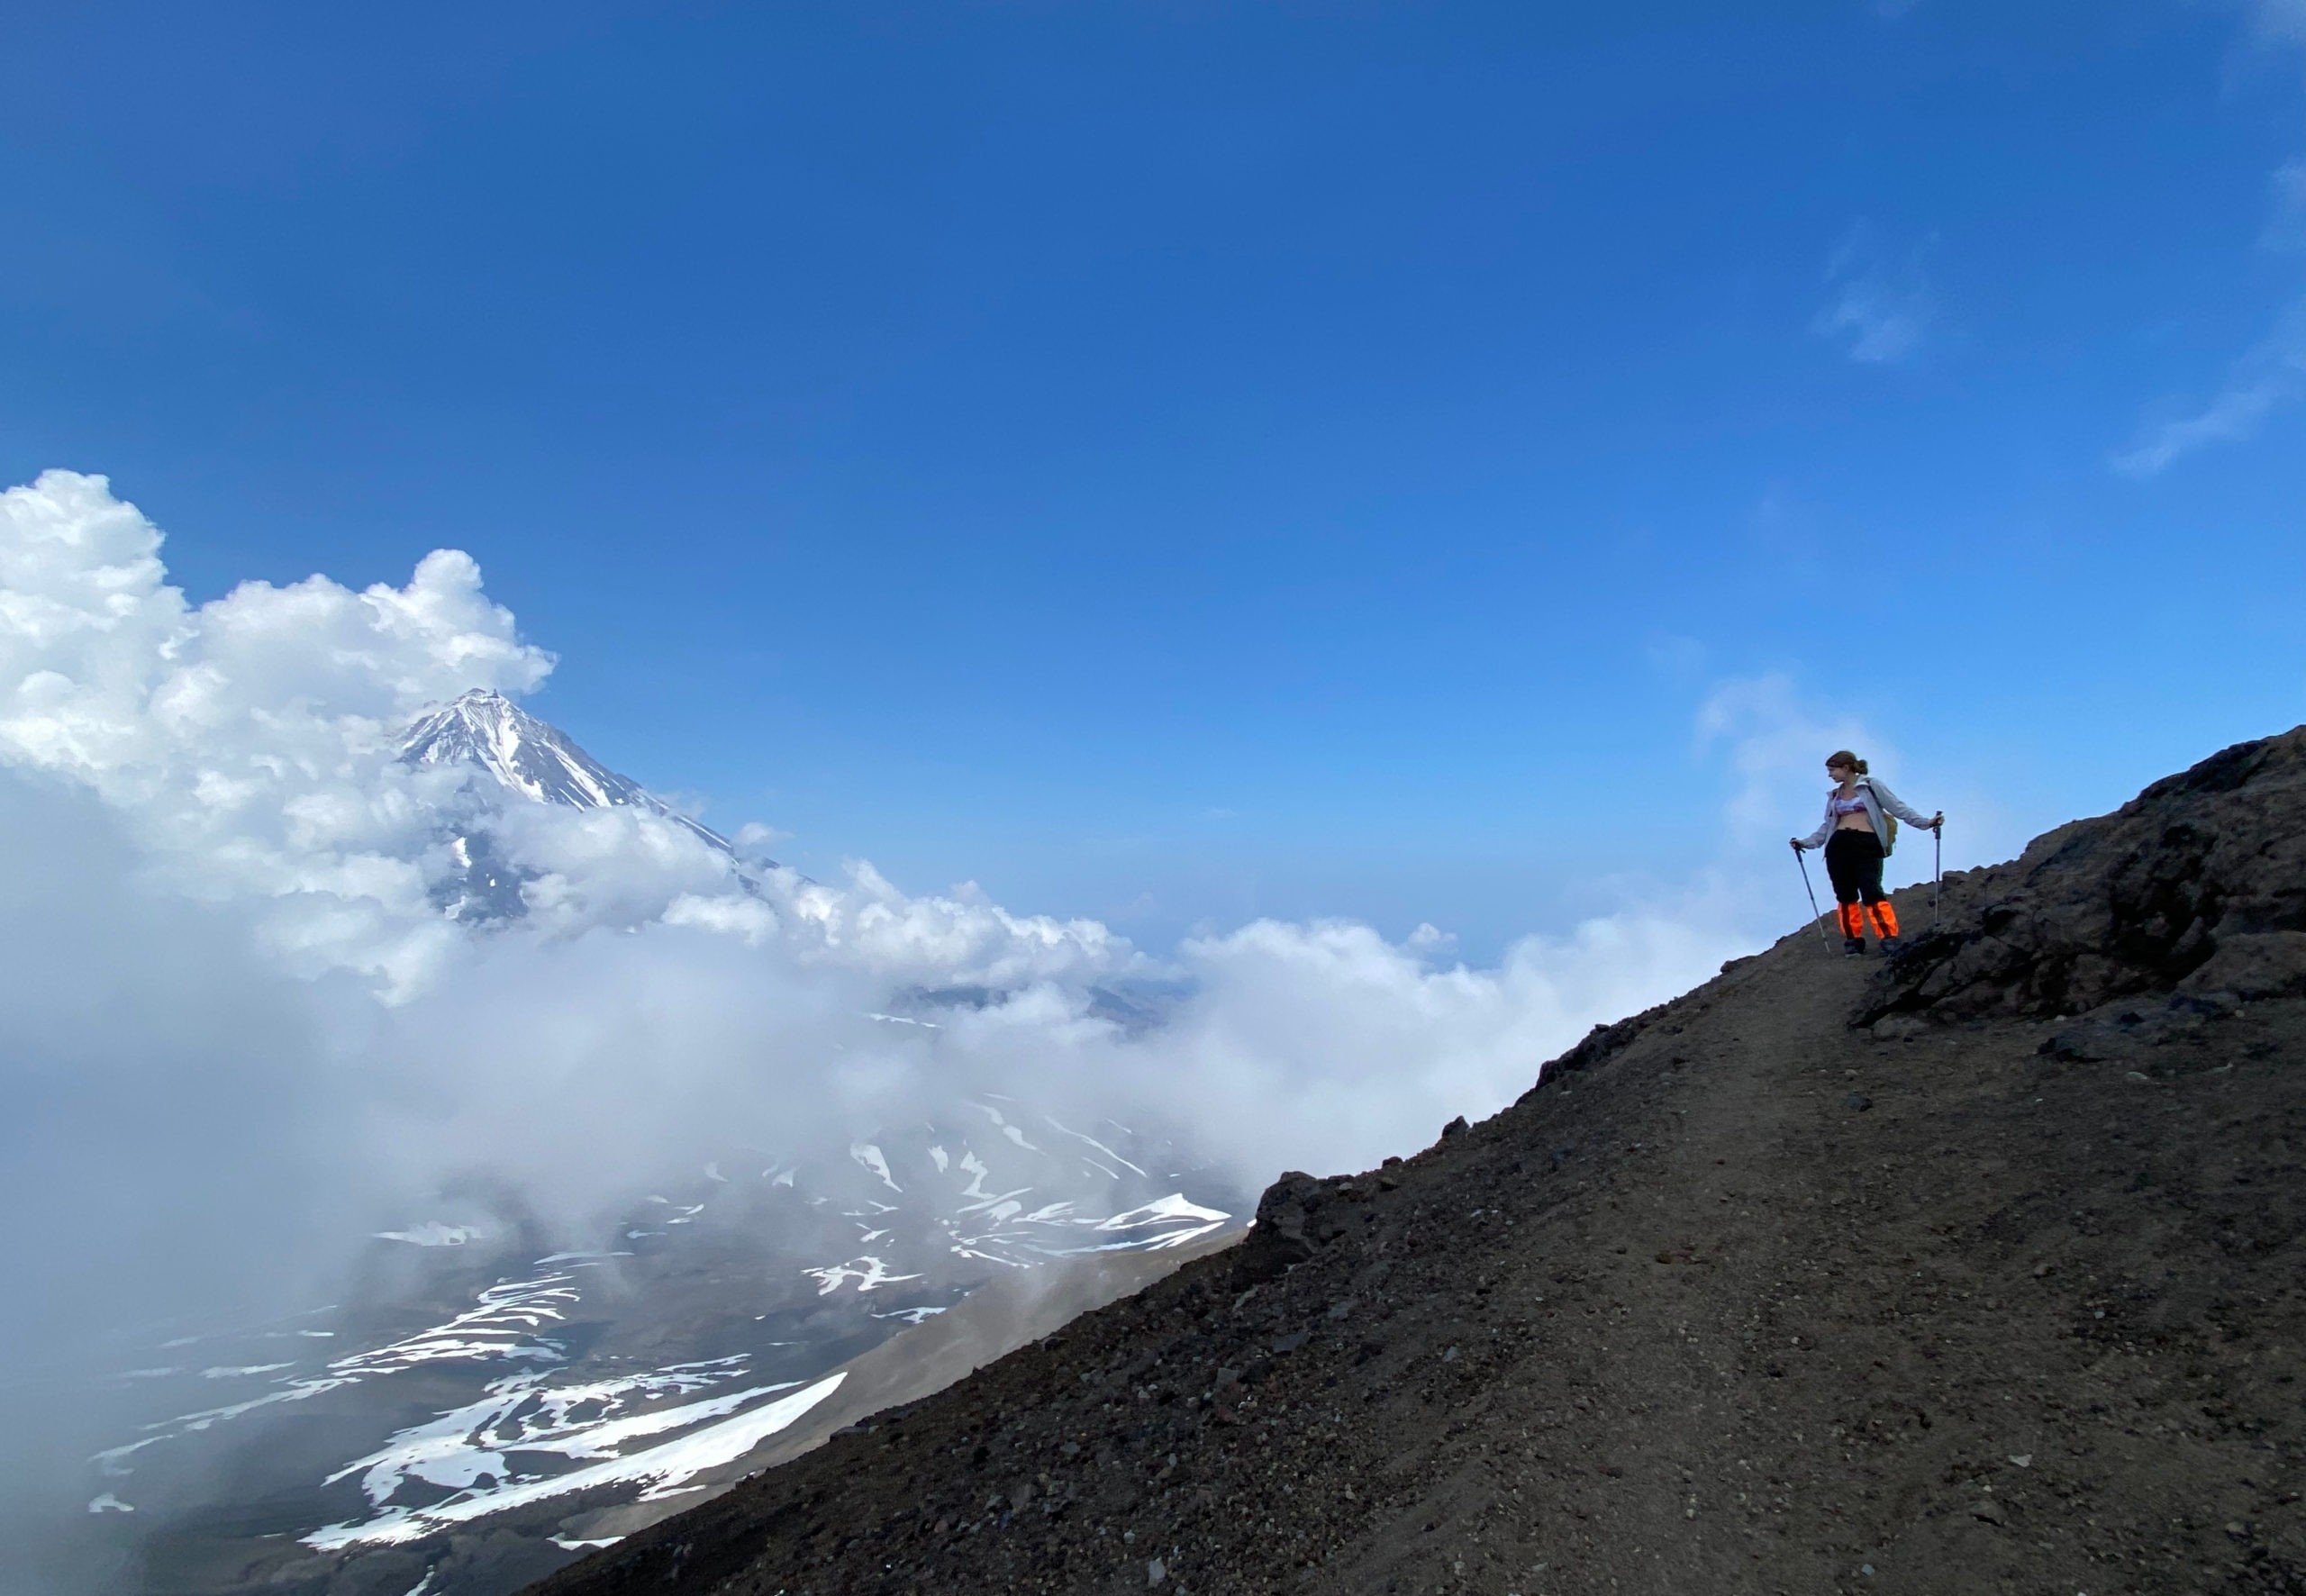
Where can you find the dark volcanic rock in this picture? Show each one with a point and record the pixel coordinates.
(2201, 879)
(1680, 1321)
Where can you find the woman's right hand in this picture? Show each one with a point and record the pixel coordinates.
(1796, 841)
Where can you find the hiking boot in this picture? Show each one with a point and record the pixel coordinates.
(1852, 947)
(1892, 947)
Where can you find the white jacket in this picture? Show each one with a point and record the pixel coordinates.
(1876, 796)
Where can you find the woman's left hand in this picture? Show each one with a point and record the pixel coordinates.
(1937, 821)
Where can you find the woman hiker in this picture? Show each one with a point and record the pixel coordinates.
(1856, 838)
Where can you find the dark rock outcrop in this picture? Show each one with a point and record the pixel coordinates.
(2199, 881)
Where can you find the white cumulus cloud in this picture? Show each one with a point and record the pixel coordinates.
(252, 1034)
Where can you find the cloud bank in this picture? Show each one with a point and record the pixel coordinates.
(242, 755)
(237, 760)
(240, 1034)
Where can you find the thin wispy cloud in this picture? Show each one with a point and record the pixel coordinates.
(1881, 306)
(2234, 416)
(2272, 373)
(2286, 218)
(2279, 21)
(2268, 377)
(1775, 742)
(1673, 656)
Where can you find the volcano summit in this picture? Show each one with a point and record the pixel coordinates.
(487, 731)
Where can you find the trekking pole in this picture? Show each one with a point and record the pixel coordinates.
(1937, 867)
(1816, 917)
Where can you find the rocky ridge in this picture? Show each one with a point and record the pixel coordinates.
(1977, 1272)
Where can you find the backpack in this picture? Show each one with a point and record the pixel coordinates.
(1889, 820)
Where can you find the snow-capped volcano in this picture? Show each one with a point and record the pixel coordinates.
(540, 762)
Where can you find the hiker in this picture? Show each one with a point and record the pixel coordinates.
(1856, 837)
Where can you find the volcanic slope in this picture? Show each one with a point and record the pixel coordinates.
(1980, 1272)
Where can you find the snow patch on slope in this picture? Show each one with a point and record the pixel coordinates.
(870, 1274)
(871, 1157)
(433, 1233)
(662, 1471)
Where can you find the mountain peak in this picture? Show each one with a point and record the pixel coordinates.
(484, 730)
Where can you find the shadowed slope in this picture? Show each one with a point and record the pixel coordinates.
(1990, 1295)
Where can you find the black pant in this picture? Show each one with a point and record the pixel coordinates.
(1854, 864)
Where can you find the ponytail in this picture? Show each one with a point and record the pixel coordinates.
(1843, 756)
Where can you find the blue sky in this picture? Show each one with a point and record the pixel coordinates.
(1178, 462)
